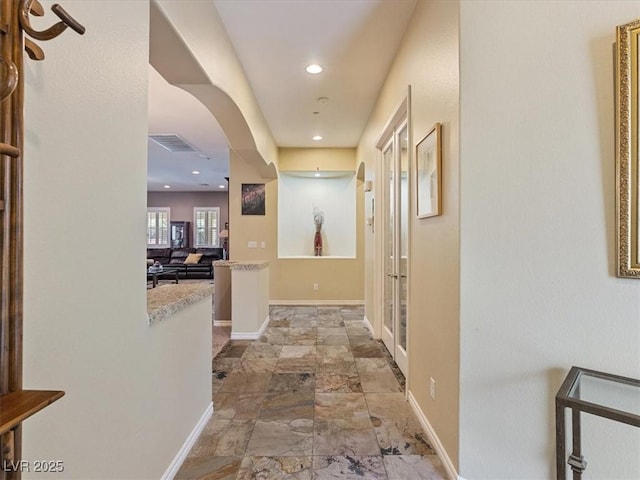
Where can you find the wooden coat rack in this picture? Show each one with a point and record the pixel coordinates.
(16, 404)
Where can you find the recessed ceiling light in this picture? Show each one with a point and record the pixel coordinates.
(220, 186)
(196, 172)
(314, 69)
(317, 137)
(167, 186)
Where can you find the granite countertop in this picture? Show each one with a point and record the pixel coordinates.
(255, 265)
(164, 301)
(223, 263)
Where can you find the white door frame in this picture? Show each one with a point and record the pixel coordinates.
(396, 122)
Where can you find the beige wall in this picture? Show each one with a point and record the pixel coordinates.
(201, 29)
(538, 289)
(337, 279)
(309, 159)
(251, 228)
(428, 61)
(291, 280)
(133, 392)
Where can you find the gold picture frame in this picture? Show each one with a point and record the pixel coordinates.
(627, 159)
(428, 174)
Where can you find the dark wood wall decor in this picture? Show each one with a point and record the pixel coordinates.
(16, 404)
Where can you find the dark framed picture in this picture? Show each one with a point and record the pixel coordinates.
(253, 198)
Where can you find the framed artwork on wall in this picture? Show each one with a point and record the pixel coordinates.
(428, 173)
(253, 199)
(627, 151)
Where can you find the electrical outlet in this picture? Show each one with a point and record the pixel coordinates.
(432, 388)
(315, 287)
(263, 244)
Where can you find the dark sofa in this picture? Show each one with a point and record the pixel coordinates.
(175, 257)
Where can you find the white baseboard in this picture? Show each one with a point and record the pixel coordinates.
(433, 438)
(367, 324)
(316, 302)
(222, 323)
(251, 335)
(188, 444)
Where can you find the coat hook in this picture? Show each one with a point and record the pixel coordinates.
(54, 30)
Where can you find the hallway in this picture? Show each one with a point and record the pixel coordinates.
(315, 398)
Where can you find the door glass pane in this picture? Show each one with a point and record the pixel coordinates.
(388, 239)
(403, 213)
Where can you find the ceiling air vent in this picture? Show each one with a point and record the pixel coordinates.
(173, 143)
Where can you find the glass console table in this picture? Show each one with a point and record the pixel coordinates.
(609, 396)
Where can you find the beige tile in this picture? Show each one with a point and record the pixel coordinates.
(389, 405)
(340, 405)
(373, 365)
(344, 437)
(337, 366)
(329, 331)
(330, 340)
(298, 351)
(296, 365)
(301, 336)
(281, 438)
(292, 383)
(415, 467)
(257, 365)
(379, 382)
(338, 382)
(280, 468)
(237, 406)
(276, 406)
(241, 382)
(330, 467)
(262, 350)
(209, 468)
(401, 437)
(223, 437)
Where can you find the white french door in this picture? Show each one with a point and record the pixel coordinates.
(395, 155)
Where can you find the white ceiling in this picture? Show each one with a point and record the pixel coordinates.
(354, 40)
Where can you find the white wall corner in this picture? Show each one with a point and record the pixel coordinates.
(264, 326)
(367, 324)
(244, 336)
(452, 474)
(180, 457)
(251, 335)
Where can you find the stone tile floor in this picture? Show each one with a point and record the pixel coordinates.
(314, 398)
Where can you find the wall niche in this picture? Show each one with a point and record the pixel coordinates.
(334, 194)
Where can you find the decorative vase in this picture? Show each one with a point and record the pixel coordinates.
(317, 242)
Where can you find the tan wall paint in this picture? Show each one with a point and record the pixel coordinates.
(201, 28)
(428, 60)
(292, 279)
(251, 228)
(308, 159)
(338, 279)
